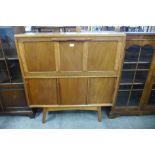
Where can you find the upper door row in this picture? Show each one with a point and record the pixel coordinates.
(48, 56)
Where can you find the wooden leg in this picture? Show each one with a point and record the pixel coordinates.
(44, 115)
(99, 114)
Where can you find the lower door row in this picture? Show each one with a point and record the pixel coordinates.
(70, 91)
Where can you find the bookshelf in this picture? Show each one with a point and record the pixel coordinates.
(12, 94)
(135, 95)
(135, 69)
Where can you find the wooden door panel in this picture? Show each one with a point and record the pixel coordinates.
(13, 97)
(42, 91)
(40, 56)
(101, 90)
(101, 56)
(73, 91)
(71, 56)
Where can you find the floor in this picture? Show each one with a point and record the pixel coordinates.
(77, 120)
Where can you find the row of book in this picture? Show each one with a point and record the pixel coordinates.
(91, 28)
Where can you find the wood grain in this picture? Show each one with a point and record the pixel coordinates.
(71, 70)
(101, 56)
(42, 91)
(73, 91)
(40, 56)
(71, 56)
(101, 90)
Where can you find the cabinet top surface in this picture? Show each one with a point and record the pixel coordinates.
(140, 33)
(70, 34)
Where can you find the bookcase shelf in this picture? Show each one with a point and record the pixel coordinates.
(134, 62)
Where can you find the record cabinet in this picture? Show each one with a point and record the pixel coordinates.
(67, 71)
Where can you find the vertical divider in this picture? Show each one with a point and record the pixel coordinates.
(87, 95)
(85, 56)
(85, 62)
(58, 91)
(57, 56)
(134, 76)
(57, 64)
(118, 54)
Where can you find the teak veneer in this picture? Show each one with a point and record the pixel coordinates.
(71, 71)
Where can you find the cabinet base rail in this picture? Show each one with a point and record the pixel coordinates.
(47, 109)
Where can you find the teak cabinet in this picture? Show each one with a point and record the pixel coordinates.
(63, 71)
(136, 94)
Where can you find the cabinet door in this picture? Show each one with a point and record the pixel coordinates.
(13, 98)
(101, 90)
(101, 56)
(147, 100)
(42, 91)
(39, 56)
(73, 91)
(71, 56)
